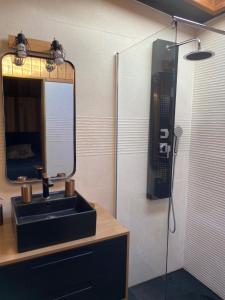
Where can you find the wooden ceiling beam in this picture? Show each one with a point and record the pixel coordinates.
(219, 5)
(211, 6)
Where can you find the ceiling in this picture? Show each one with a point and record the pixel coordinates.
(196, 10)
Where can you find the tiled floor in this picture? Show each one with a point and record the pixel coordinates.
(181, 285)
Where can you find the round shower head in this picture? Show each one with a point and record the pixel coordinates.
(199, 55)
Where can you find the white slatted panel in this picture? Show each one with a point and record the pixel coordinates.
(205, 227)
(133, 135)
(95, 135)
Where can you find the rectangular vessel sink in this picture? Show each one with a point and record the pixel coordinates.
(56, 220)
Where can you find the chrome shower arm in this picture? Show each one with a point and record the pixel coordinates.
(197, 40)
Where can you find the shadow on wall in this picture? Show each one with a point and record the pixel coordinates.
(3, 44)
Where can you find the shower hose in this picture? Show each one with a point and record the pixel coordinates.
(171, 213)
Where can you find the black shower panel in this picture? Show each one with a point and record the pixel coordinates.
(161, 123)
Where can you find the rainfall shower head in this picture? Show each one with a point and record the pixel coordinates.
(195, 55)
(199, 55)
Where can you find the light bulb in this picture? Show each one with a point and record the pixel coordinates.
(21, 50)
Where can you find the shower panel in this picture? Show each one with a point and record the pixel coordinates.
(161, 123)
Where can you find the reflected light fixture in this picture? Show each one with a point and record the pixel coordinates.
(50, 65)
(57, 56)
(21, 46)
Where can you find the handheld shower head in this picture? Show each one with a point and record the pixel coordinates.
(178, 131)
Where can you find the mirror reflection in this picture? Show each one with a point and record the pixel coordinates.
(39, 119)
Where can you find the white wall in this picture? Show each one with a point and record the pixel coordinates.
(91, 31)
(147, 220)
(205, 227)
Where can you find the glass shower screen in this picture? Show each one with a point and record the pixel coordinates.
(143, 70)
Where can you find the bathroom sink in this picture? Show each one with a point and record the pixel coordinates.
(56, 220)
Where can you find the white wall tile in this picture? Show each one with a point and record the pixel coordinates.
(205, 233)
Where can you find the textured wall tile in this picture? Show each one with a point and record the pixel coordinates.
(205, 225)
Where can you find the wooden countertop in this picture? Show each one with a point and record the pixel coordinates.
(107, 227)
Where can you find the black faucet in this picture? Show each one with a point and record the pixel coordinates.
(46, 183)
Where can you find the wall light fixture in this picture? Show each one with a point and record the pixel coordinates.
(21, 46)
(57, 56)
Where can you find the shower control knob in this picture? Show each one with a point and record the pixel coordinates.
(164, 133)
(164, 148)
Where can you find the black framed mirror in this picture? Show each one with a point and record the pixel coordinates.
(39, 118)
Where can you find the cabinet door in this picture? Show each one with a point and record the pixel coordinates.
(14, 283)
(96, 272)
(67, 274)
(82, 294)
(110, 264)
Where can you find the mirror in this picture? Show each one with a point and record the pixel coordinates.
(39, 108)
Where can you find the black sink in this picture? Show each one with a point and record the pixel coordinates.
(56, 220)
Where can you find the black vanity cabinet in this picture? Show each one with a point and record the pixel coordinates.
(93, 272)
